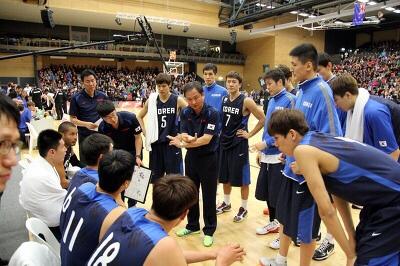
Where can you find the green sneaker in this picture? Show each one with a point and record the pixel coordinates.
(184, 232)
(208, 241)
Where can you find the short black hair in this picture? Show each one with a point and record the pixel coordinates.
(95, 145)
(234, 75)
(115, 168)
(286, 71)
(275, 74)
(306, 52)
(9, 109)
(88, 72)
(344, 83)
(210, 66)
(282, 121)
(163, 78)
(194, 85)
(48, 139)
(65, 126)
(105, 108)
(173, 195)
(324, 59)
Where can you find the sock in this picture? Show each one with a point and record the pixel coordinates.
(244, 204)
(227, 199)
(280, 259)
(330, 238)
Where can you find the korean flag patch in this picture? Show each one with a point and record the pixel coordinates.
(210, 126)
(382, 143)
(137, 129)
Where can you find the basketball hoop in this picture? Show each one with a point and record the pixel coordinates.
(174, 68)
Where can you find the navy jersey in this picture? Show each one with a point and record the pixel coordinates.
(83, 176)
(124, 136)
(232, 121)
(167, 118)
(129, 240)
(82, 216)
(366, 176)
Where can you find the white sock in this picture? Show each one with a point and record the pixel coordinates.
(244, 204)
(280, 259)
(330, 238)
(227, 199)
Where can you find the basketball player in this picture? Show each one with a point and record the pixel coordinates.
(299, 218)
(86, 207)
(140, 237)
(213, 93)
(351, 172)
(270, 176)
(163, 109)
(234, 167)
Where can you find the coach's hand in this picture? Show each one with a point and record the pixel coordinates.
(90, 125)
(189, 139)
(138, 161)
(174, 141)
(243, 134)
(259, 146)
(229, 254)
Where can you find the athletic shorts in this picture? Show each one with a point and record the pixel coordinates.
(269, 183)
(234, 166)
(378, 236)
(165, 159)
(297, 211)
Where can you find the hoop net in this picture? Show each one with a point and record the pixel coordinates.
(174, 68)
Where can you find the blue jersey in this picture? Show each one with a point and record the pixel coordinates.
(366, 176)
(167, 118)
(280, 101)
(214, 94)
(233, 120)
(129, 240)
(82, 216)
(315, 100)
(83, 176)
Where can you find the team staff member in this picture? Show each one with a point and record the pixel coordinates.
(234, 168)
(213, 93)
(343, 168)
(162, 121)
(199, 135)
(83, 107)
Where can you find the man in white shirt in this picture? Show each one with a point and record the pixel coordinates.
(41, 193)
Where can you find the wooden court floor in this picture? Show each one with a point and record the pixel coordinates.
(244, 232)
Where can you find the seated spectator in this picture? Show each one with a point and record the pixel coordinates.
(86, 207)
(142, 236)
(26, 117)
(41, 193)
(94, 147)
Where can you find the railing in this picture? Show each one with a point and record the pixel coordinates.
(114, 50)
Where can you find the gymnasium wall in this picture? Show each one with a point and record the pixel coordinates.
(386, 35)
(222, 70)
(18, 67)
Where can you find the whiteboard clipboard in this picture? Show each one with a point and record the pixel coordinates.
(139, 185)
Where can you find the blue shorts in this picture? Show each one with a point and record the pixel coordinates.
(378, 236)
(234, 166)
(297, 211)
(269, 183)
(165, 159)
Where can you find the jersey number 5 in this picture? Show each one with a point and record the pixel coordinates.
(163, 121)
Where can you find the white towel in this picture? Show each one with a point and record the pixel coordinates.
(355, 117)
(152, 121)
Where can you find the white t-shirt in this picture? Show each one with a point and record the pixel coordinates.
(41, 193)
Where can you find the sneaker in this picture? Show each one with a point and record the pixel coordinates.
(275, 244)
(271, 227)
(239, 217)
(208, 241)
(185, 232)
(264, 261)
(298, 242)
(223, 207)
(324, 250)
(266, 211)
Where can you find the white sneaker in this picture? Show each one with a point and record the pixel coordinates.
(271, 227)
(275, 244)
(264, 261)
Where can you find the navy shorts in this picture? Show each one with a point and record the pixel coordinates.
(269, 183)
(234, 166)
(297, 211)
(165, 159)
(378, 236)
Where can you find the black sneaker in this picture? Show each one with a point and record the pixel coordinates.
(324, 251)
(298, 242)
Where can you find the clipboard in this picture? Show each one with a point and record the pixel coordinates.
(139, 185)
